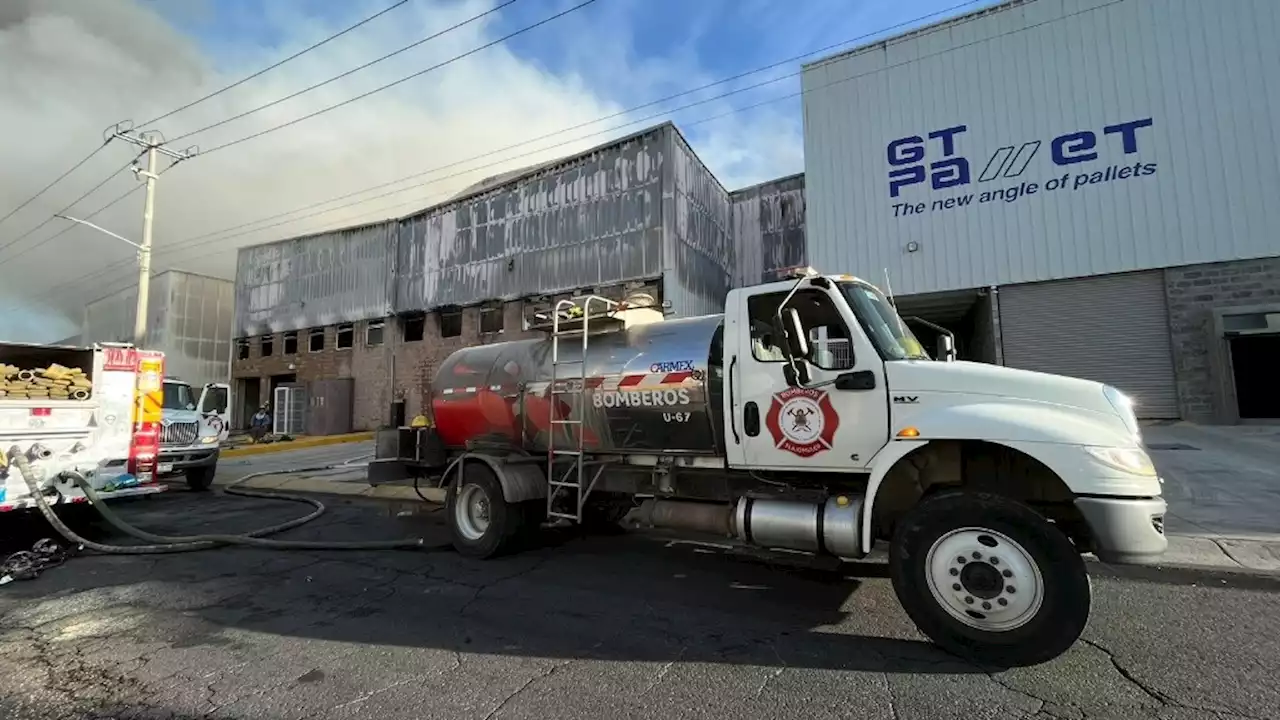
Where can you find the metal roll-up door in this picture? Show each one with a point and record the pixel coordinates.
(1110, 328)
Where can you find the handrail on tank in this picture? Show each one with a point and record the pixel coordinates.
(557, 322)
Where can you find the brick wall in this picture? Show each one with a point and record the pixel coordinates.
(411, 364)
(1193, 293)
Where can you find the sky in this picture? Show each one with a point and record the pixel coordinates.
(85, 66)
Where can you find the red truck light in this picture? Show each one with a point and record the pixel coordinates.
(41, 412)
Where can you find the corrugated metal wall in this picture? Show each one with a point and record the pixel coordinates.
(595, 219)
(196, 335)
(1035, 85)
(698, 255)
(769, 229)
(190, 321)
(318, 280)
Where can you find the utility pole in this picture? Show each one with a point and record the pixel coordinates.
(153, 143)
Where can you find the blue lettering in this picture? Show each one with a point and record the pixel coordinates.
(947, 136)
(1074, 148)
(950, 173)
(1128, 133)
(907, 150)
(899, 179)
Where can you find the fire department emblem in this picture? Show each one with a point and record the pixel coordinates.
(802, 421)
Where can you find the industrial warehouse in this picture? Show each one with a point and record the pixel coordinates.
(1095, 239)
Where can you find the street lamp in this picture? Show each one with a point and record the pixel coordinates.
(144, 276)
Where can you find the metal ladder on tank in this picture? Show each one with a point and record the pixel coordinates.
(574, 477)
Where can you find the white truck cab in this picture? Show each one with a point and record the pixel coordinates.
(1058, 440)
(192, 431)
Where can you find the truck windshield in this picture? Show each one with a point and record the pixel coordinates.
(889, 333)
(178, 396)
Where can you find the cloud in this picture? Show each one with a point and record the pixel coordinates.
(88, 65)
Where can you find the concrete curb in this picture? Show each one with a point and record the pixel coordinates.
(298, 444)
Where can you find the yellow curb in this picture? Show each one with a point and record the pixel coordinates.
(297, 444)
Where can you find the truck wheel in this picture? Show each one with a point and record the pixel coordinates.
(200, 479)
(482, 523)
(988, 578)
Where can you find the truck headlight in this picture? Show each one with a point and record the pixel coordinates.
(1123, 406)
(208, 439)
(1134, 461)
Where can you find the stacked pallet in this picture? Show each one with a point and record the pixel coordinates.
(54, 382)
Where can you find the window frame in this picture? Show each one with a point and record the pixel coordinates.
(381, 327)
(348, 329)
(447, 319)
(769, 300)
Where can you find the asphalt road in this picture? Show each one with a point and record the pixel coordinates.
(629, 626)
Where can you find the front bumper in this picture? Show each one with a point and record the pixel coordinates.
(173, 461)
(1126, 530)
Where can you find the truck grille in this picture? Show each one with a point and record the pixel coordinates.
(183, 433)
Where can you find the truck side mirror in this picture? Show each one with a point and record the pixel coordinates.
(796, 373)
(946, 348)
(797, 342)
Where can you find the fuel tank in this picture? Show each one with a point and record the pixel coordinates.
(644, 389)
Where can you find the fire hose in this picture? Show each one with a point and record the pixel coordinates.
(158, 544)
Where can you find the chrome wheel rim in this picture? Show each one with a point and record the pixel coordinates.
(984, 579)
(471, 512)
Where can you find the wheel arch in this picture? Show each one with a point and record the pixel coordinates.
(519, 481)
(908, 471)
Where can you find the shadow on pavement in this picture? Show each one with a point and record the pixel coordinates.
(625, 598)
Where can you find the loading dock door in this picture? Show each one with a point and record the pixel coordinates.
(1110, 328)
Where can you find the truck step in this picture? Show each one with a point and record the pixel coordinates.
(572, 453)
(566, 422)
(563, 515)
(563, 483)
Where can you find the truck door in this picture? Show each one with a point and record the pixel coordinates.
(819, 427)
(215, 407)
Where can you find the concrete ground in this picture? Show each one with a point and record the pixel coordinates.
(630, 626)
(1223, 489)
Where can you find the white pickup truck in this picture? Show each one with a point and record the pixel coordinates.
(192, 431)
(97, 427)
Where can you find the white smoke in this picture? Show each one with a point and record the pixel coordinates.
(83, 66)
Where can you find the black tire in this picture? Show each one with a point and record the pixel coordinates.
(201, 479)
(1065, 590)
(506, 522)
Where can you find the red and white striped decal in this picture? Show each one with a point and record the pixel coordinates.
(636, 381)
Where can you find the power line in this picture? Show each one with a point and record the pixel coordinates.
(269, 68)
(380, 213)
(604, 118)
(90, 216)
(404, 79)
(193, 103)
(348, 73)
(68, 208)
(56, 180)
(190, 242)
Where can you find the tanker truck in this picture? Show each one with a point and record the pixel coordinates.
(806, 418)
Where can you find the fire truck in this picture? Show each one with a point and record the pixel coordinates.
(97, 410)
(806, 418)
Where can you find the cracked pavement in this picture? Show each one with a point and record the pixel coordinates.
(627, 626)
